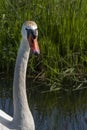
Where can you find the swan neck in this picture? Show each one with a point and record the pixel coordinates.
(19, 85)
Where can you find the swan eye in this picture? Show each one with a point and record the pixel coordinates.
(34, 33)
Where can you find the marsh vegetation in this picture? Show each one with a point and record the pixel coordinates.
(62, 25)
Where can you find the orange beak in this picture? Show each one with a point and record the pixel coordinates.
(34, 45)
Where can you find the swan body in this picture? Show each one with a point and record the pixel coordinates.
(22, 117)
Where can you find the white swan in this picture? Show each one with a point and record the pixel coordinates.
(22, 117)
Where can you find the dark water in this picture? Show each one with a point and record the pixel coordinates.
(51, 111)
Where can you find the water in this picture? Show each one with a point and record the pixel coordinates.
(51, 111)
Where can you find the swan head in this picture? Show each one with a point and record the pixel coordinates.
(30, 33)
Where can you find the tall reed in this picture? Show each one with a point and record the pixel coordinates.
(62, 28)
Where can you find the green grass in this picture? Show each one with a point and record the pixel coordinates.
(62, 28)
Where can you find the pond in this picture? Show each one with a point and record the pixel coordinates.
(51, 111)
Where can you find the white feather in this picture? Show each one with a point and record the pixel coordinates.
(22, 118)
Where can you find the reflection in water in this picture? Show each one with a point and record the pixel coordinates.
(50, 111)
(55, 113)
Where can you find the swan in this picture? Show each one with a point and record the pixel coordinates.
(22, 117)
